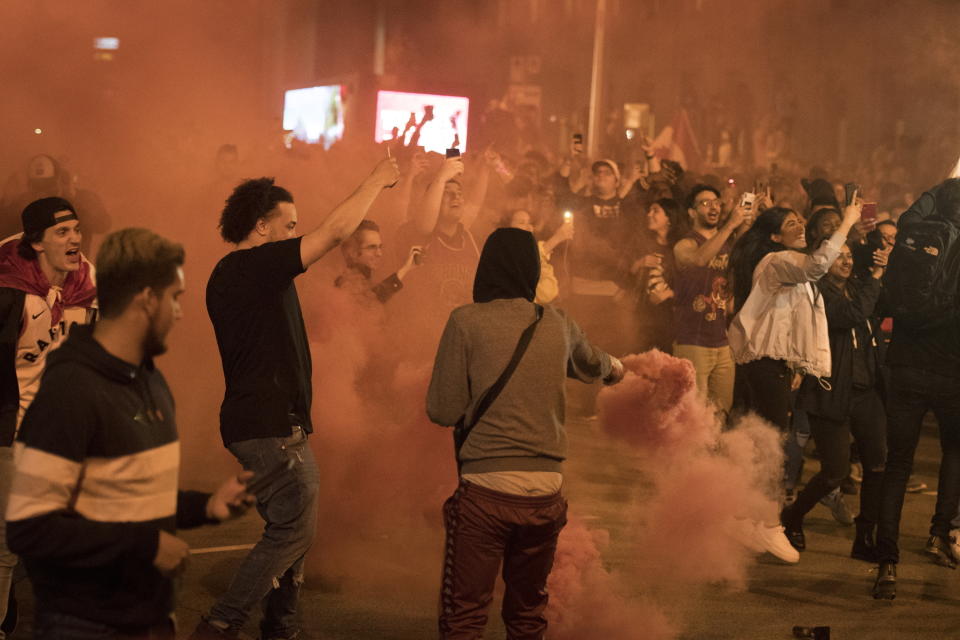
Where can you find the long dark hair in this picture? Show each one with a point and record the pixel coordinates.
(676, 216)
(751, 248)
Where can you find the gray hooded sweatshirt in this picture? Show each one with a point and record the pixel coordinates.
(523, 430)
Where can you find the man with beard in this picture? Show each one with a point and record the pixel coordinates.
(702, 296)
(508, 508)
(94, 502)
(46, 285)
(265, 416)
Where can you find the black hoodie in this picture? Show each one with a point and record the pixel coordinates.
(95, 483)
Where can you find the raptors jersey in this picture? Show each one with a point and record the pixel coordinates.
(38, 337)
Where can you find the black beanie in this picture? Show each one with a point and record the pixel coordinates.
(42, 214)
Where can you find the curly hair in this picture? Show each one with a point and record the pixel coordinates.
(249, 202)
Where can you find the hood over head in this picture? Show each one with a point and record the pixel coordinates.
(509, 266)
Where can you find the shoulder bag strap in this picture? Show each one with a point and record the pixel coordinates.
(462, 430)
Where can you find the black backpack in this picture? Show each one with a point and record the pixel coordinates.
(921, 281)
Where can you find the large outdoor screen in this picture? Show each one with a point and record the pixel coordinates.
(440, 120)
(314, 114)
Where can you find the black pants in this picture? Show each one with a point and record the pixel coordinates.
(867, 423)
(912, 393)
(767, 391)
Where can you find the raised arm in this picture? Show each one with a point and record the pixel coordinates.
(688, 254)
(425, 217)
(345, 218)
(793, 268)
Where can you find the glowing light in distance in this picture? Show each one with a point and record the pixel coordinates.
(106, 44)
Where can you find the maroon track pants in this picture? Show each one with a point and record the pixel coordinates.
(486, 527)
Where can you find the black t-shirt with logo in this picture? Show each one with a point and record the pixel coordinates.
(603, 228)
(256, 316)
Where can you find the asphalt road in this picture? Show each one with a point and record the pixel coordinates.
(825, 588)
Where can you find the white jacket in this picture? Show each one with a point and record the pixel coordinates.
(784, 317)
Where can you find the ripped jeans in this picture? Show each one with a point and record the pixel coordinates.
(273, 571)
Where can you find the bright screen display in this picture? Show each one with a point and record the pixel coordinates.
(441, 120)
(314, 114)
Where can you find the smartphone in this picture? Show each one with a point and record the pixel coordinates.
(747, 200)
(849, 190)
(568, 216)
(258, 483)
(453, 152)
(869, 212)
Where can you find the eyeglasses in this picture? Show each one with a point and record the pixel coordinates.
(708, 203)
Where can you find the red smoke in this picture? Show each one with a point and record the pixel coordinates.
(585, 600)
(385, 470)
(701, 478)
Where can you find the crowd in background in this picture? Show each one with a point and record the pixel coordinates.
(768, 281)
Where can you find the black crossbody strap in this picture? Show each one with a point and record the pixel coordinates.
(462, 429)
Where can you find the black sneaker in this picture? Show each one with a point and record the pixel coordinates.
(885, 588)
(793, 530)
(941, 550)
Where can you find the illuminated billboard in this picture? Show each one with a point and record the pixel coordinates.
(441, 121)
(314, 114)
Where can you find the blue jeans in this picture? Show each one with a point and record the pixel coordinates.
(273, 571)
(912, 392)
(56, 625)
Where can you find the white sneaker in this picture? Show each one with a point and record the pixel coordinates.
(760, 538)
(774, 540)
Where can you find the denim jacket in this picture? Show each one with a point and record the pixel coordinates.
(783, 317)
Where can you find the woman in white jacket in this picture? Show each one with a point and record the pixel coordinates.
(780, 330)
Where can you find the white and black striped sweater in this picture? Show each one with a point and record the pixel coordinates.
(97, 459)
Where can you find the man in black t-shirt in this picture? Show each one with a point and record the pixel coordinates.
(265, 415)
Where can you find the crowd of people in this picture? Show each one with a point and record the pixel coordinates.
(521, 264)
